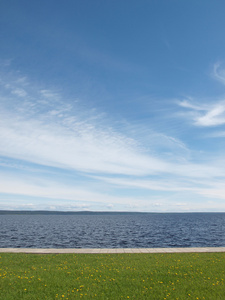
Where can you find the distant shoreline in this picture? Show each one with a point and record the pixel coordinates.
(50, 212)
(54, 212)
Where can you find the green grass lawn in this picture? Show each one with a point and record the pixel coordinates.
(112, 276)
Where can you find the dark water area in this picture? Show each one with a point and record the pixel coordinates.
(104, 230)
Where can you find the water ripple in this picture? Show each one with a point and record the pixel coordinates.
(113, 231)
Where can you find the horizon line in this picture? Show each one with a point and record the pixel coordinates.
(2, 211)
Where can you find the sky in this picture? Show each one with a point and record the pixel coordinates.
(112, 105)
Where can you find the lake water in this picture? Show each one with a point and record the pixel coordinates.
(113, 230)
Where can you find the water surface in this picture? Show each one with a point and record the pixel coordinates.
(113, 230)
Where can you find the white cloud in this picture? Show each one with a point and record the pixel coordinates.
(188, 104)
(214, 116)
(148, 184)
(213, 193)
(54, 190)
(67, 142)
(205, 115)
(209, 187)
(80, 146)
(45, 129)
(219, 72)
(38, 126)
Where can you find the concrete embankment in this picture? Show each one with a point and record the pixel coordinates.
(112, 250)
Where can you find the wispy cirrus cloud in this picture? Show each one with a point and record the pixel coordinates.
(43, 132)
(219, 72)
(58, 137)
(51, 189)
(205, 115)
(74, 145)
(42, 128)
(214, 116)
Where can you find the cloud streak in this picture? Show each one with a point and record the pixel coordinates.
(219, 72)
(43, 134)
(205, 115)
(73, 145)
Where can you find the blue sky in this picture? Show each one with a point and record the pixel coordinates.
(112, 105)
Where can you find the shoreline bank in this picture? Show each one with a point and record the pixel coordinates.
(111, 250)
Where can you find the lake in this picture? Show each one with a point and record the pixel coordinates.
(112, 230)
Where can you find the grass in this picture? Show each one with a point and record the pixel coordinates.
(112, 276)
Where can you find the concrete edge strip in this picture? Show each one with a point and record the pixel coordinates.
(112, 250)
